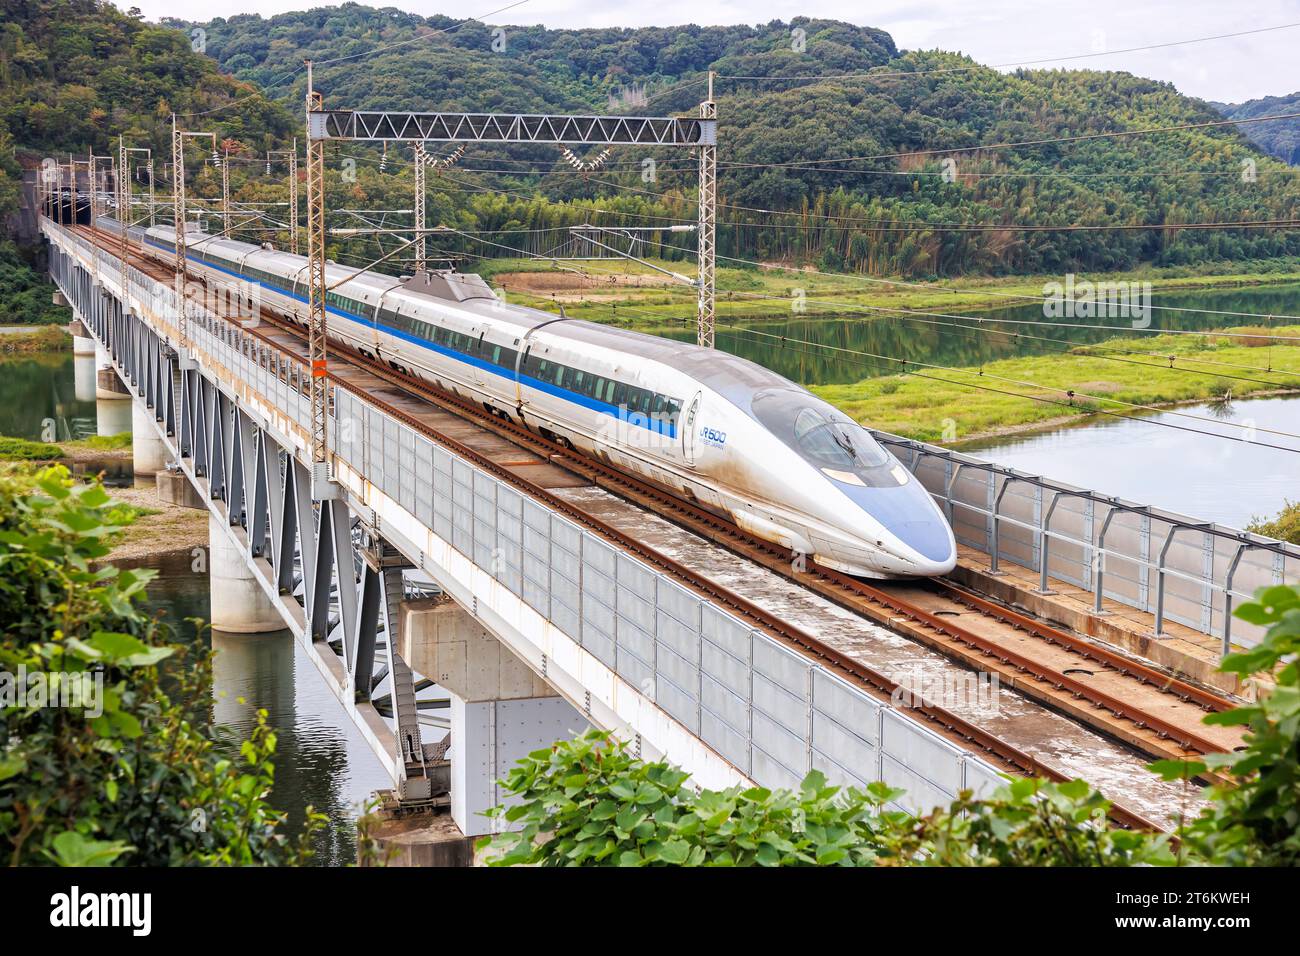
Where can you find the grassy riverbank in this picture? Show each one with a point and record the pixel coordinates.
(44, 338)
(952, 405)
(636, 295)
(155, 528)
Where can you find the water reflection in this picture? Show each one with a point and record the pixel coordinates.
(1005, 332)
(41, 388)
(321, 760)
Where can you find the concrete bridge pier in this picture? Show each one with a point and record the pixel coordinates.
(174, 488)
(82, 343)
(500, 709)
(238, 603)
(112, 397)
(83, 370)
(148, 452)
(83, 362)
(112, 415)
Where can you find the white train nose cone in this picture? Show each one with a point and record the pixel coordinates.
(929, 544)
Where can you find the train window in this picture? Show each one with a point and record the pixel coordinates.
(620, 394)
(825, 437)
(671, 410)
(659, 405)
(609, 390)
(496, 355)
(579, 381)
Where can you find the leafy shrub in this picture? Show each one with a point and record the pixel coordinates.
(146, 781)
(20, 449)
(591, 802)
(1255, 820)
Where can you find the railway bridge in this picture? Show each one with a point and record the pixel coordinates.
(452, 561)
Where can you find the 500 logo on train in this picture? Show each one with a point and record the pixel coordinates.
(713, 436)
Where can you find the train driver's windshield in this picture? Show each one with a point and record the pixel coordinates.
(827, 438)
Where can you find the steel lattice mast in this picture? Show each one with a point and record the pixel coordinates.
(420, 247)
(178, 225)
(384, 126)
(316, 329)
(293, 198)
(705, 236)
(225, 189)
(292, 218)
(123, 207)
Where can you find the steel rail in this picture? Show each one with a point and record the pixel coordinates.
(879, 684)
(835, 585)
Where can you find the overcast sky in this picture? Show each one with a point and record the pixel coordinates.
(992, 31)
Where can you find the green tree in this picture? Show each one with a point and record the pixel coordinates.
(1255, 819)
(591, 802)
(134, 774)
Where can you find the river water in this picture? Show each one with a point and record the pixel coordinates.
(815, 350)
(1203, 477)
(322, 761)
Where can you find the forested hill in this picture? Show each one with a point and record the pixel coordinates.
(827, 123)
(76, 73)
(783, 141)
(1281, 138)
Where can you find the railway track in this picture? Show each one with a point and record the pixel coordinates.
(1123, 698)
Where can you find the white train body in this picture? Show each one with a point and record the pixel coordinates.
(711, 427)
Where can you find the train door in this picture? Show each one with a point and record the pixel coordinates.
(690, 420)
(480, 352)
(521, 362)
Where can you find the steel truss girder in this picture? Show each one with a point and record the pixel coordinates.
(401, 125)
(348, 586)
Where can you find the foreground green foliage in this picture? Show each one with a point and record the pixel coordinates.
(146, 781)
(591, 802)
(1257, 822)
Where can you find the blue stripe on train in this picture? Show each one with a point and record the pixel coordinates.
(638, 419)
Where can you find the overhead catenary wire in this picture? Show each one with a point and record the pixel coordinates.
(1068, 393)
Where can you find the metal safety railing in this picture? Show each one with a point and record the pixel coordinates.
(771, 712)
(1171, 566)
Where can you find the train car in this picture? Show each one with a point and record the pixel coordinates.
(716, 429)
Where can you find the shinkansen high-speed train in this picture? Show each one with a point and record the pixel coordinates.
(714, 428)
